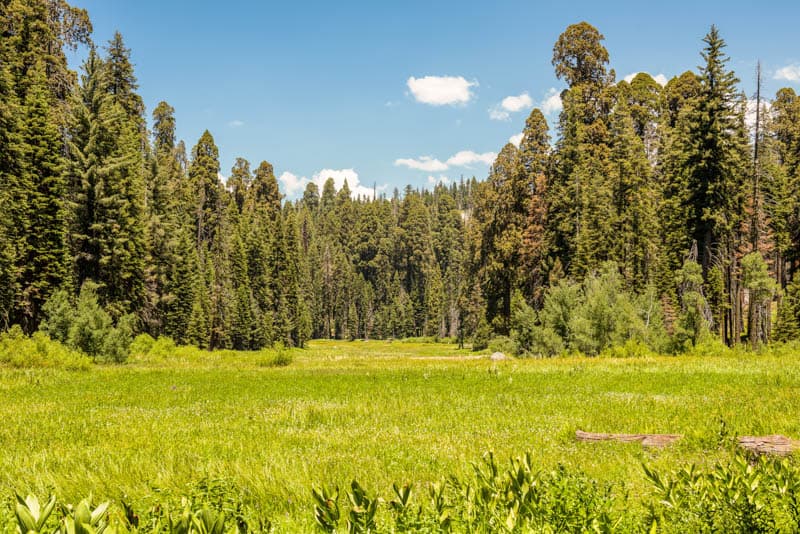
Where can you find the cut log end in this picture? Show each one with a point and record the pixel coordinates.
(647, 440)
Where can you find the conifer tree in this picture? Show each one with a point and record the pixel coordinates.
(635, 197)
(45, 260)
(108, 189)
(534, 152)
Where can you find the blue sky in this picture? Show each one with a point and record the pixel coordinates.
(390, 93)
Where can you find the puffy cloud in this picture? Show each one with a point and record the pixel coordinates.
(236, 123)
(659, 78)
(509, 105)
(790, 73)
(424, 163)
(222, 178)
(552, 102)
(442, 179)
(292, 184)
(339, 176)
(441, 90)
(465, 158)
(497, 114)
(515, 139)
(517, 103)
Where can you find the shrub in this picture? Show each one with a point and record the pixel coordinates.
(89, 328)
(631, 349)
(482, 336)
(277, 357)
(142, 345)
(19, 350)
(503, 344)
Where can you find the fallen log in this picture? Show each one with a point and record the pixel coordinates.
(647, 440)
(776, 445)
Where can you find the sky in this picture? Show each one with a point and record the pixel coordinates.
(386, 93)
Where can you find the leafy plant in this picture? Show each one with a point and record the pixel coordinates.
(31, 516)
(362, 510)
(326, 508)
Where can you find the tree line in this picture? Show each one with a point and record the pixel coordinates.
(670, 196)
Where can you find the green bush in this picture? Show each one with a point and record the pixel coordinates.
(631, 349)
(482, 336)
(504, 344)
(19, 350)
(743, 495)
(87, 326)
(277, 357)
(142, 345)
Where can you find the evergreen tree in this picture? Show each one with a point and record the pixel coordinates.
(44, 254)
(108, 190)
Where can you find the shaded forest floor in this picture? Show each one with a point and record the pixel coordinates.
(375, 411)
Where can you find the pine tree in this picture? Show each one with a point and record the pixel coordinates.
(45, 260)
(534, 152)
(108, 190)
(716, 171)
(634, 222)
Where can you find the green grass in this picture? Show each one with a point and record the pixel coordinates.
(375, 411)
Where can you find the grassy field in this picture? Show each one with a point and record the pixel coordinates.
(375, 411)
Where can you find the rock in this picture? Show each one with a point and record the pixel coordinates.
(498, 356)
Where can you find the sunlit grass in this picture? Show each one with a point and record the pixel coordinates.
(375, 411)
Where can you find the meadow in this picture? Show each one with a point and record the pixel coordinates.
(271, 425)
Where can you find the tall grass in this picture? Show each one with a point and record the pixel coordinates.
(376, 412)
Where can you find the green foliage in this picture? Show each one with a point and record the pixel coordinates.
(31, 515)
(592, 317)
(787, 326)
(692, 325)
(19, 350)
(482, 336)
(277, 357)
(87, 327)
(504, 344)
(761, 288)
(740, 496)
(607, 315)
(326, 508)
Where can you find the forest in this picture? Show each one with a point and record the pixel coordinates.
(655, 218)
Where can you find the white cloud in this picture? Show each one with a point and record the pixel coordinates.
(236, 123)
(659, 78)
(292, 184)
(515, 139)
(750, 112)
(466, 158)
(497, 114)
(424, 163)
(353, 182)
(790, 73)
(222, 178)
(509, 105)
(442, 179)
(441, 90)
(552, 102)
(517, 103)
(463, 158)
